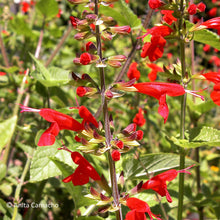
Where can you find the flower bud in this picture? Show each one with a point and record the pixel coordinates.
(120, 29)
(113, 63)
(83, 35)
(116, 155)
(90, 46)
(192, 9)
(120, 58)
(91, 17)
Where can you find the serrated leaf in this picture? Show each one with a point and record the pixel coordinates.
(53, 76)
(205, 36)
(42, 167)
(49, 8)
(6, 130)
(75, 191)
(199, 136)
(153, 163)
(124, 15)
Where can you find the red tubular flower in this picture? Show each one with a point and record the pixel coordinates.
(154, 4)
(159, 91)
(153, 74)
(59, 121)
(139, 119)
(138, 209)
(158, 182)
(211, 23)
(82, 172)
(168, 16)
(212, 76)
(87, 116)
(133, 71)
(215, 95)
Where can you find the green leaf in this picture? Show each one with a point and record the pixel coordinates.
(53, 76)
(124, 15)
(42, 167)
(49, 8)
(153, 163)
(7, 128)
(6, 189)
(20, 26)
(205, 36)
(75, 191)
(3, 169)
(197, 137)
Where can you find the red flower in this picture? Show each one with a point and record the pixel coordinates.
(201, 7)
(25, 7)
(212, 76)
(168, 16)
(215, 95)
(212, 12)
(59, 121)
(192, 9)
(158, 182)
(211, 23)
(154, 50)
(85, 58)
(153, 74)
(159, 91)
(74, 21)
(206, 48)
(2, 73)
(116, 155)
(87, 116)
(215, 60)
(138, 209)
(154, 4)
(82, 172)
(139, 119)
(133, 71)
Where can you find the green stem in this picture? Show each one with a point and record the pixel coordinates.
(183, 113)
(115, 191)
(20, 184)
(15, 113)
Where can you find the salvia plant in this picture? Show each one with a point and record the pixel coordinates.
(109, 109)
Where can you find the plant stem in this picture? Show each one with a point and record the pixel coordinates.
(4, 54)
(15, 113)
(115, 191)
(183, 113)
(21, 182)
(59, 45)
